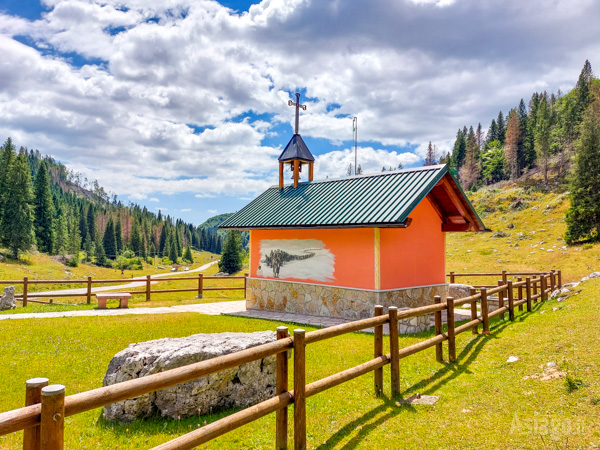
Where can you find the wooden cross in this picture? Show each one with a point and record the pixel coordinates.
(298, 106)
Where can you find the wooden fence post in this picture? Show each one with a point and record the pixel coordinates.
(439, 348)
(378, 352)
(543, 288)
(484, 311)
(559, 279)
(451, 277)
(148, 287)
(200, 284)
(534, 284)
(511, 301)
(553, 279)
(89, 290)
(504, 277)
(474, 330)
(281, 416)
(33, 395)
(299, 390)
(450, 325)
(501, 298)
(394, 349)
(520, 297)
(246, 285)
(25, 288)
(52, 427)
(528, 293)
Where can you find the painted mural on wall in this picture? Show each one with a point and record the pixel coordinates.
(305, 259)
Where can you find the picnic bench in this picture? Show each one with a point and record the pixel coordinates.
(123, 298)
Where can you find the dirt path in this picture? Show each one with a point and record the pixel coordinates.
(133, 284)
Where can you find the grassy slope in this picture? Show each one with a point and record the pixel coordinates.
(484, 401)
(539, 226)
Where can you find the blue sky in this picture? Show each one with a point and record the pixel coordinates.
(182, 104)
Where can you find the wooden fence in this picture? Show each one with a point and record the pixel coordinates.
(555, 275)
(42, 419)
(28, 296)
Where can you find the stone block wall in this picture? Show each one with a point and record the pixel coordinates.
(328, 301)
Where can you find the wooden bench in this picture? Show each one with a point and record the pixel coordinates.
(123, 298)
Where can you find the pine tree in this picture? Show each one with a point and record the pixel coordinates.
(479, 137)
(511, 146)
(119, 235)
(492, 133)
(583, 85)
(6, 159)
(583, 216)
(99, 253)
(91, 221)
(109, 241)
(173, 249)
(74, 244)
(187, 256)
(136, 239)
(43, 209)
(500, 128)
(16, 227)
(459, 151)
(231, 259)
(162, 251)
(83, 226)
(469, 173)
(430, 157)
(542, 135)
(61, 242)
(522, 146)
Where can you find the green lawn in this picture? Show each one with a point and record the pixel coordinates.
(484, 401)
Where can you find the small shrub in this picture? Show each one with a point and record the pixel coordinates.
(587, 246)
(25, 259)
(71, 261)
(573, 383)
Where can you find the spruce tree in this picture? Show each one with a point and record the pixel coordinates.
(430, 156)
(62, 235)
(136, 239)
(583, 216)
(7, 157)
(469, 173)
(523, 145)
(511, 146)
(16, 227)
(187, 256)
(109, 242)
(162, 241)
(99, 253)
(119, 235)
(231, 259)
(460, 150)
(500, 128)
(173, 249)
(43, 209)
(91, 221)
(83, 226)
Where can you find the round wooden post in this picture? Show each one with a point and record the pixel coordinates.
(450, 325)
(501, 298)
(394, 349)
(484, 311)
(52, 428)
(299, 390)
(451, 277)
(89, 290)
(246, 285)
(148, 287)
(543, 288)
(504, 277)
(200, 284)
(559, 274)
(528, 293)
(520, 297)
(439, 348)
(511, 301)
(553, 279)
(378, 352)
(25, 289)
(281, 416)
(534, 284)
(33, 395)
(474, 330)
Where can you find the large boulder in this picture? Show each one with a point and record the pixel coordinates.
(8, 301)
(456, 290)
(238, 387)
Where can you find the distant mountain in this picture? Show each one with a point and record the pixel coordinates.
(211, 225)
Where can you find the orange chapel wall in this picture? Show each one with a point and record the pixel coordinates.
(414, 256)
(353, 250)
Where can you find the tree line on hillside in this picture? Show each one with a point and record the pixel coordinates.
(44, 204)
(528, 137)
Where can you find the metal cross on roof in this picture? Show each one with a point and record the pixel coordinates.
(298, 106)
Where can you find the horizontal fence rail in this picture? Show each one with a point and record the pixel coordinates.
(46, 406)
(28, 296)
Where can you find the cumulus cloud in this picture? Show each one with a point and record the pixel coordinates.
(176, 96)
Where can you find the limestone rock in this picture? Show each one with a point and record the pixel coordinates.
(457, 290)
(8, 301)
(238, 387)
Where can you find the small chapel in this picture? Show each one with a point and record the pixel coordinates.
(338, 247)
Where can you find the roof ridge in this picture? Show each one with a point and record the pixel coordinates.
(371, 175)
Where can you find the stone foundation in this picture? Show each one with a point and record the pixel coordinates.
(329, 301)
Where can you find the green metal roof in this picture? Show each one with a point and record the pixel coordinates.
(384, 199)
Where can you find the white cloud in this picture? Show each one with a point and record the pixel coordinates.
(185, 210)
(212, 211)
(157, 108)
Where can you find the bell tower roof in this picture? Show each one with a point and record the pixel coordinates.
(296, 149)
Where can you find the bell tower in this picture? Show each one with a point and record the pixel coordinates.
(296, 153)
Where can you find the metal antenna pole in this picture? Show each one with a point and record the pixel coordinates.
(355, 131)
